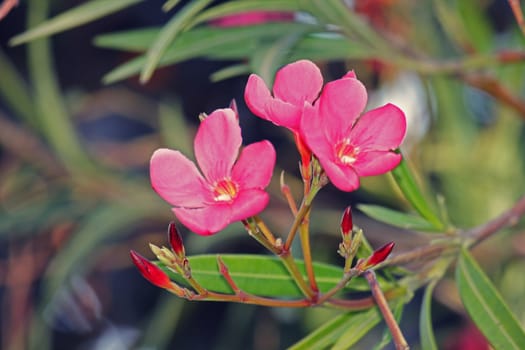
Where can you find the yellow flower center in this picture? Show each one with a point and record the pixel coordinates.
(225, 190)
(346, 152)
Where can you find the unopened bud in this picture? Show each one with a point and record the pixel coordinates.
(347, 223)
(378, 256)
(306, 156)
(175, 240)
(150, 271)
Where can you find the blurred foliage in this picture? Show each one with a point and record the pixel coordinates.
(71, 206)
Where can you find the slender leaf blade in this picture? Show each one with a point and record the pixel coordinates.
(407, 183)
(428, 341)
(486, 306)
(168, 33)
(240, 6)
(330, 332)
(359, 325)
(396, 218)
(72, 18)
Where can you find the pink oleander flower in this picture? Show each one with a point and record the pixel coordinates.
(347, 144)
(295, 84)
(228, 190)
(252, 18)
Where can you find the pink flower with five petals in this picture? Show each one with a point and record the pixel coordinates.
(230, 189)
(295, 84)
(347, 144)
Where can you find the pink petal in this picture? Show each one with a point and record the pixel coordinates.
(262, 104)
(382, 128)
(340, 104)
(350, 75)
(312, 132)
(205, 221)
(298, 82)
(217, 144)
(376, 162)
(176, 179)
(342, 176)
(249, 203)
(255, 165)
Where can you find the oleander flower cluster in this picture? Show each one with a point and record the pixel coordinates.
(328, 123)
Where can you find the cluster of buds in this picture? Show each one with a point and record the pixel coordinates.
(351, 242)
(174, 259)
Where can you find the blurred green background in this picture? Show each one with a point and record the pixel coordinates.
(75, 144)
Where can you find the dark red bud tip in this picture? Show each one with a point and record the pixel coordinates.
(380, 254)
(150, 271)
(175, 240)
(346, 221)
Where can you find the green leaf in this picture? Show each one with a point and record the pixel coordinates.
(72, 18)
(225, 43)
(396, 218)
(486, 306)
(360, 324)
(136, 40)
(428, 341)
(168, 34)
(230, 72)
(263, 275)
(240, 6)
(169, 4)
(407, 183)
(330, 332)
(330, 46)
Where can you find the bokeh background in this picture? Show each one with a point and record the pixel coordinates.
(75, 195)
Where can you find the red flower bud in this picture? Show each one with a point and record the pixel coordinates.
(379, 255)
(346, 222)
(150, 271)
(175, 240)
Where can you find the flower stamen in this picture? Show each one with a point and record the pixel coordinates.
(346, 152)
(225, 190)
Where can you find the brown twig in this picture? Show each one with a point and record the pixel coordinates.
(399, 340)
(6, 7)
(508, 218)
(518, 14)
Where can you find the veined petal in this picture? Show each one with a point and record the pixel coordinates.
(255, 165)
(376, 162)
(262, 104)
(257, 96)
(344, 177)
(176, 179)
(340, 104)
(382, 128)
(205, 221)
(249, 203)
(298, 82)
(217, 144)
(313, 132)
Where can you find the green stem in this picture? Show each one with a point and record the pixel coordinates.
(304, 234)
(292, 268)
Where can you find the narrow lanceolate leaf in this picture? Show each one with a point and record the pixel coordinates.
(168, 33)
(408, 185)
(263, 275)
(240, 6)
(486, 306)
(344, 329)
(428, 341)
(72, 18)
(396, 218)
(357, 327)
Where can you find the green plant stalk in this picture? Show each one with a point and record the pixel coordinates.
(57, 126)
(304, 234)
